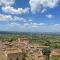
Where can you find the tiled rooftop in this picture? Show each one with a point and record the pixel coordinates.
(12, 50)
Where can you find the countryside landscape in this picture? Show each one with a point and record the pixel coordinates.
(29, 29)
(29, 46)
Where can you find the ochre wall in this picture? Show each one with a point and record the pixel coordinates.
(14, 56)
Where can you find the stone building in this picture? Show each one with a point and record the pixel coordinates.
(55, 54)
(11, 54)
(23, 40)
(34, 52)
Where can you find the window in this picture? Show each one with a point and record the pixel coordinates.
(10, 59)
(17, 59)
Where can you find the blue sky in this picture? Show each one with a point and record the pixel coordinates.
(30, 15)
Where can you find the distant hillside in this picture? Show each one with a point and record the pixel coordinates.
(30, 33)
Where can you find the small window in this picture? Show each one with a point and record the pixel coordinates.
(10, 59)
(17, 59)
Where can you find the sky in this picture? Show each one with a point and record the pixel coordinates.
(30, 15)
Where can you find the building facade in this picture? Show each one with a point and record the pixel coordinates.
(13, 54)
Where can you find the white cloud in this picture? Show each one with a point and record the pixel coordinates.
(37, 5)
(42, 27)
(42, 24)
(6, 2)
(49, 16)
(12, 18)
(30, 20)
(14, 24)
(34, 25)
(7, 7)
(55, 27)
(44, 10)
(26, 26)
(5, 17)
(11, 10)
